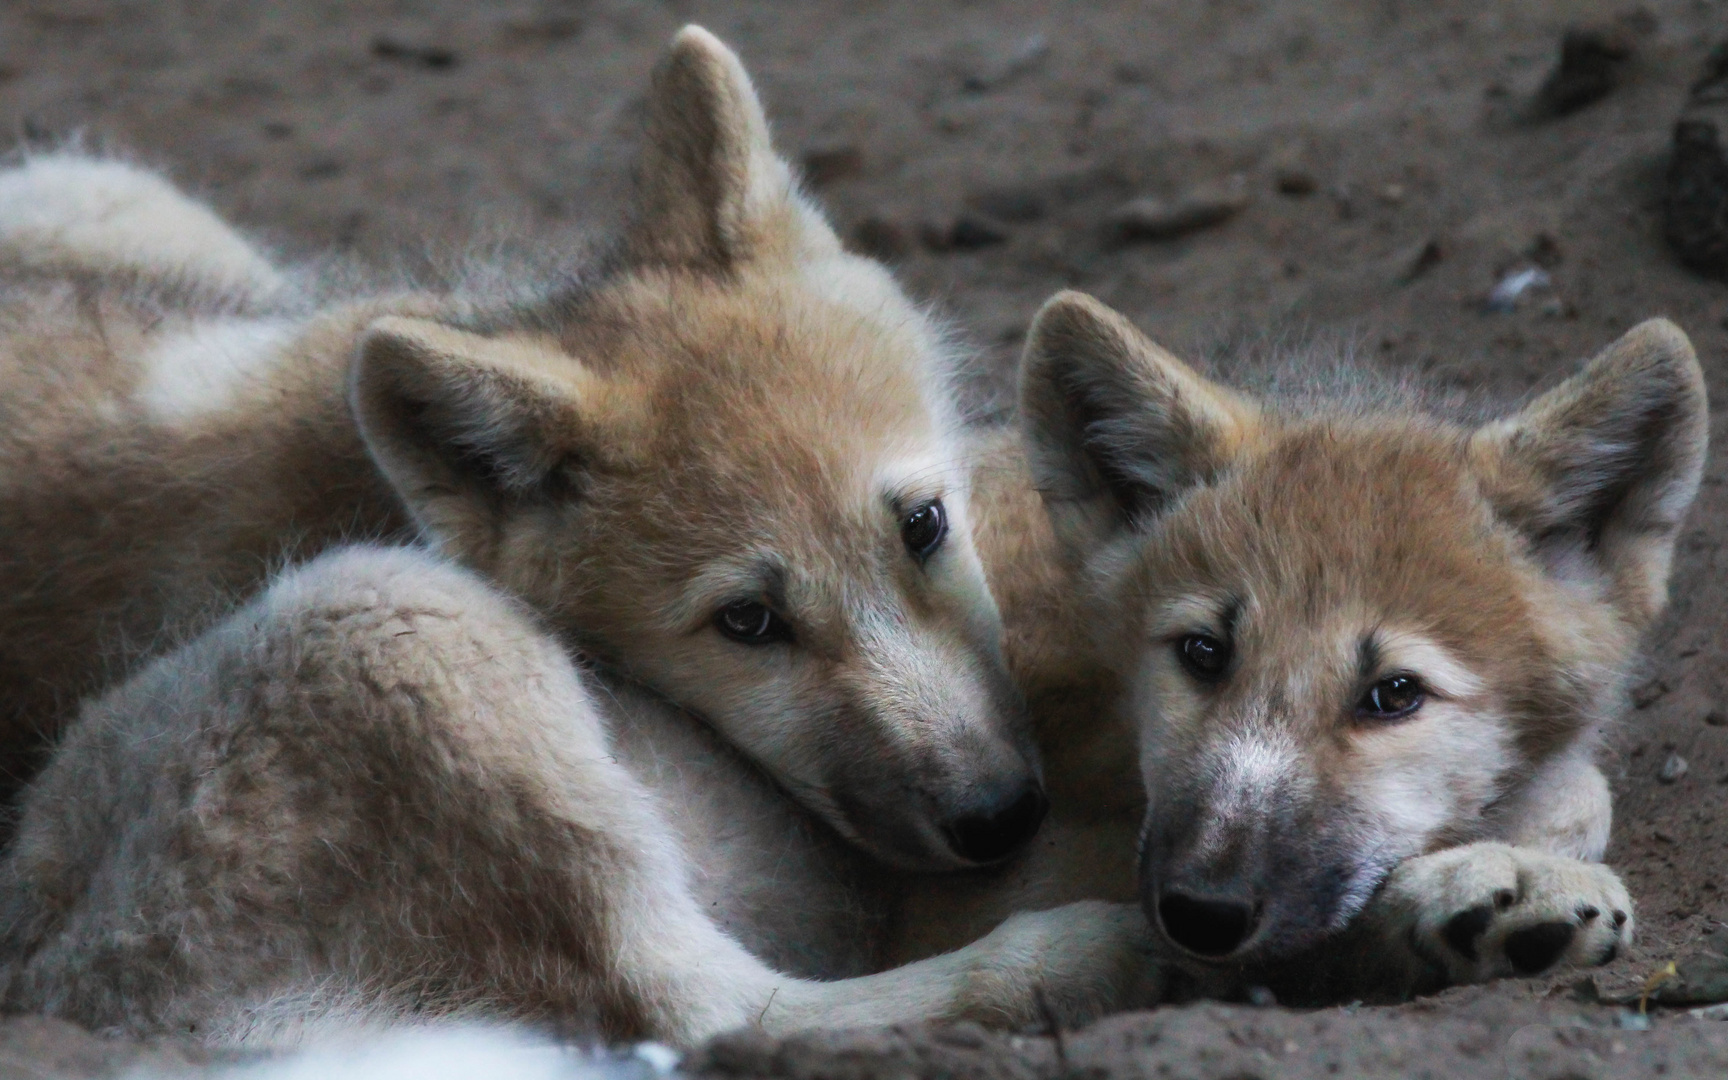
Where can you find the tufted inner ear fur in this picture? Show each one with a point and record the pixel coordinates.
(1117, 428)
(710, 191)
(468, 428)
(1599, 472)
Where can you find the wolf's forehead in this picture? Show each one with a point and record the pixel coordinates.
(1328, 518)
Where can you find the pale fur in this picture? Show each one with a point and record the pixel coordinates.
(69, 213)
(699, 896)
(459, 1052)
(382, 789)
(1517, 563)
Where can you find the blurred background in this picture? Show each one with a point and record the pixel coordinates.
(1483, 193)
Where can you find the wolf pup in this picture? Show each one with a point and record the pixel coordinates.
(1369, 651)
(720, 462)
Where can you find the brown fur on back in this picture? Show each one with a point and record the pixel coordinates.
(125, 535)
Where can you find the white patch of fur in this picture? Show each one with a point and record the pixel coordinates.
(1566, 808)
(912, 480)
(1249, 773)
(67, 211)
(856, 284)
(867, 288)
(1407, 651)
(507, 700)
(1442, 764)
(1254, 767)
(1190, 614)
(455, 1053)
(1438, 767)
(209, 366)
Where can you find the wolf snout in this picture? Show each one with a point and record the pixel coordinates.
(1211, 926)
(999, 823)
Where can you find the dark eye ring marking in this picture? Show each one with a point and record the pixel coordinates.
(1205, 657)
(1392, 698)
(924, 529)
(750, 622)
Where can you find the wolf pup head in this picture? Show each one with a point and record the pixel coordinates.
(1351, 633)
(725, 465)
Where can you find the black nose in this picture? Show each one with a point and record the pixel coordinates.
(1205, 926)
(984, 836)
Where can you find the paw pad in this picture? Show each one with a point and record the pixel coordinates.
(1536, 948)
(1490, 910)
(1463, 929)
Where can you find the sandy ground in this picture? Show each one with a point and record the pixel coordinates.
(1390, 177)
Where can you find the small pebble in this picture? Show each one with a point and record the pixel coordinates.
(1716, 718)
(1164, 219)
(1426, 258)
(416, 54)
(1504, 296)
(1648, 693)
(1589, 67)
(1295, 182)
(657, 1056)
(1586, 990)
(1262, 996)
(1544, 251)
(1672, 769)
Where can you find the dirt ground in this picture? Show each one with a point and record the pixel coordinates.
(1392, 175)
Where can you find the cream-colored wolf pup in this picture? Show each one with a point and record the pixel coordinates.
(720, 461)
(1368, 652)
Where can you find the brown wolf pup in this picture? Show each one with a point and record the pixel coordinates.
(1367, 651)
(719, 461)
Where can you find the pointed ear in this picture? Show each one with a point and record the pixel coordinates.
(469, 429)
(1116, 427)
(710, 189)
(1599, 472)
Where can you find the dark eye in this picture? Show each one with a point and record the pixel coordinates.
(923, 529)
(1391, 698)
(1204, 656)
(750, 623)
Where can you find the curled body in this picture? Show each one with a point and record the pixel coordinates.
(605, 650)
(632, 653)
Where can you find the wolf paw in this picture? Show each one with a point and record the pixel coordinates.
(1490, 910)
(1069, 965)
